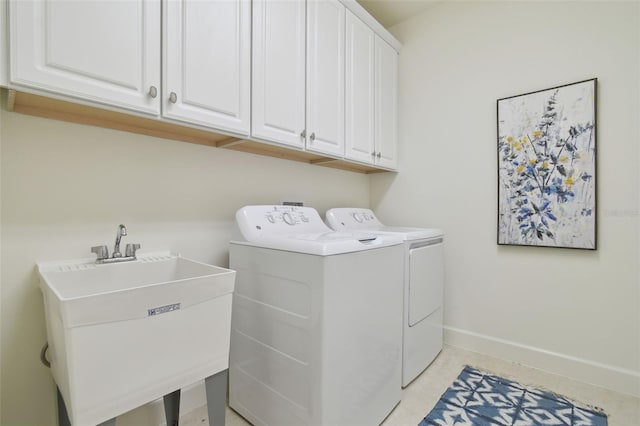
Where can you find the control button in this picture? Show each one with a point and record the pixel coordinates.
(289, 220)
(304, 218)
(271, 219)
(357, 217)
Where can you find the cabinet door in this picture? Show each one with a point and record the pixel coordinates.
(386, 104)
(359, 90)
(206, 59)
(102, 51)
(278, 75)
(325, 76)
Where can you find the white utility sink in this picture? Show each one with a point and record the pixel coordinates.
(123, 334)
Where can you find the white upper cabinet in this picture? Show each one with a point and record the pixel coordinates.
(109, 52)
(371, 97)
(312, 75)
(278, 71)
(102, 51)
(298, 86)
(206, 63)
(359, 91)
(386, 105)
(325, 77)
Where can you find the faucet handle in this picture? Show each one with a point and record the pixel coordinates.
(102, 252)
(130, 249)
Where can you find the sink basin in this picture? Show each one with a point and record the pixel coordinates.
(123, 334)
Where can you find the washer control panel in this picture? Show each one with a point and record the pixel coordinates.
(260, 221)
(289, 215)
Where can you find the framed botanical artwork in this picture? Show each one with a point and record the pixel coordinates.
(547, 167)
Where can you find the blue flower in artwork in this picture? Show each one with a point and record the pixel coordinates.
(525, 213)
(525, 210)
(534, 220)
(565, 196)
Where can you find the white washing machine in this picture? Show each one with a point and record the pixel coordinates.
(316, 329)
(423, 284)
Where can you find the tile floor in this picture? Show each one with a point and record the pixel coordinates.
(421, 395)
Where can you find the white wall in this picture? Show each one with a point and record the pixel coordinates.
(66, 187)
(573, 312)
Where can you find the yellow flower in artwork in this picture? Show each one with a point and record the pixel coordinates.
(533, 161)
(520, 168)
(545, 164)
(569, 181)
(517, 146)
(537, 133)
(524, 139)
(509, 139)
(564, 159)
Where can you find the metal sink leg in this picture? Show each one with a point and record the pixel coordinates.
(216, 388)
(172, 408)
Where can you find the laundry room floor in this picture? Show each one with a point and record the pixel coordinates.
(422, 394)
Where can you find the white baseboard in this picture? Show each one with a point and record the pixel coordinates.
(606, 376)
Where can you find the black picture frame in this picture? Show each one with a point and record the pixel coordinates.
(547, 167)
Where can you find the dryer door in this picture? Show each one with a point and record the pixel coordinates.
(426, 279)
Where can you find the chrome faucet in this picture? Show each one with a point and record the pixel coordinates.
(122, 231)
(102, 252)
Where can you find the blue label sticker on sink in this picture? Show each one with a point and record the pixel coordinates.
(163, 309)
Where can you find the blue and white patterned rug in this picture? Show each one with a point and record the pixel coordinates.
(481, 399)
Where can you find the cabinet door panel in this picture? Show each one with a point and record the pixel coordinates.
(359, 90)
(206, 63)
(386, 104)
(278, 75)
(325, 76)
(101, 51)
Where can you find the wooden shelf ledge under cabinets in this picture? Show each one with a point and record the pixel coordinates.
(42, 106)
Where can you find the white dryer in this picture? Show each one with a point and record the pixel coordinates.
(316, 329)
(423, 284)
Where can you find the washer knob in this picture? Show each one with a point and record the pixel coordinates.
(357, 217)
(271, 219)
(289, 220)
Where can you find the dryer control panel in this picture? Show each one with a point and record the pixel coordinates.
(351, 218)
